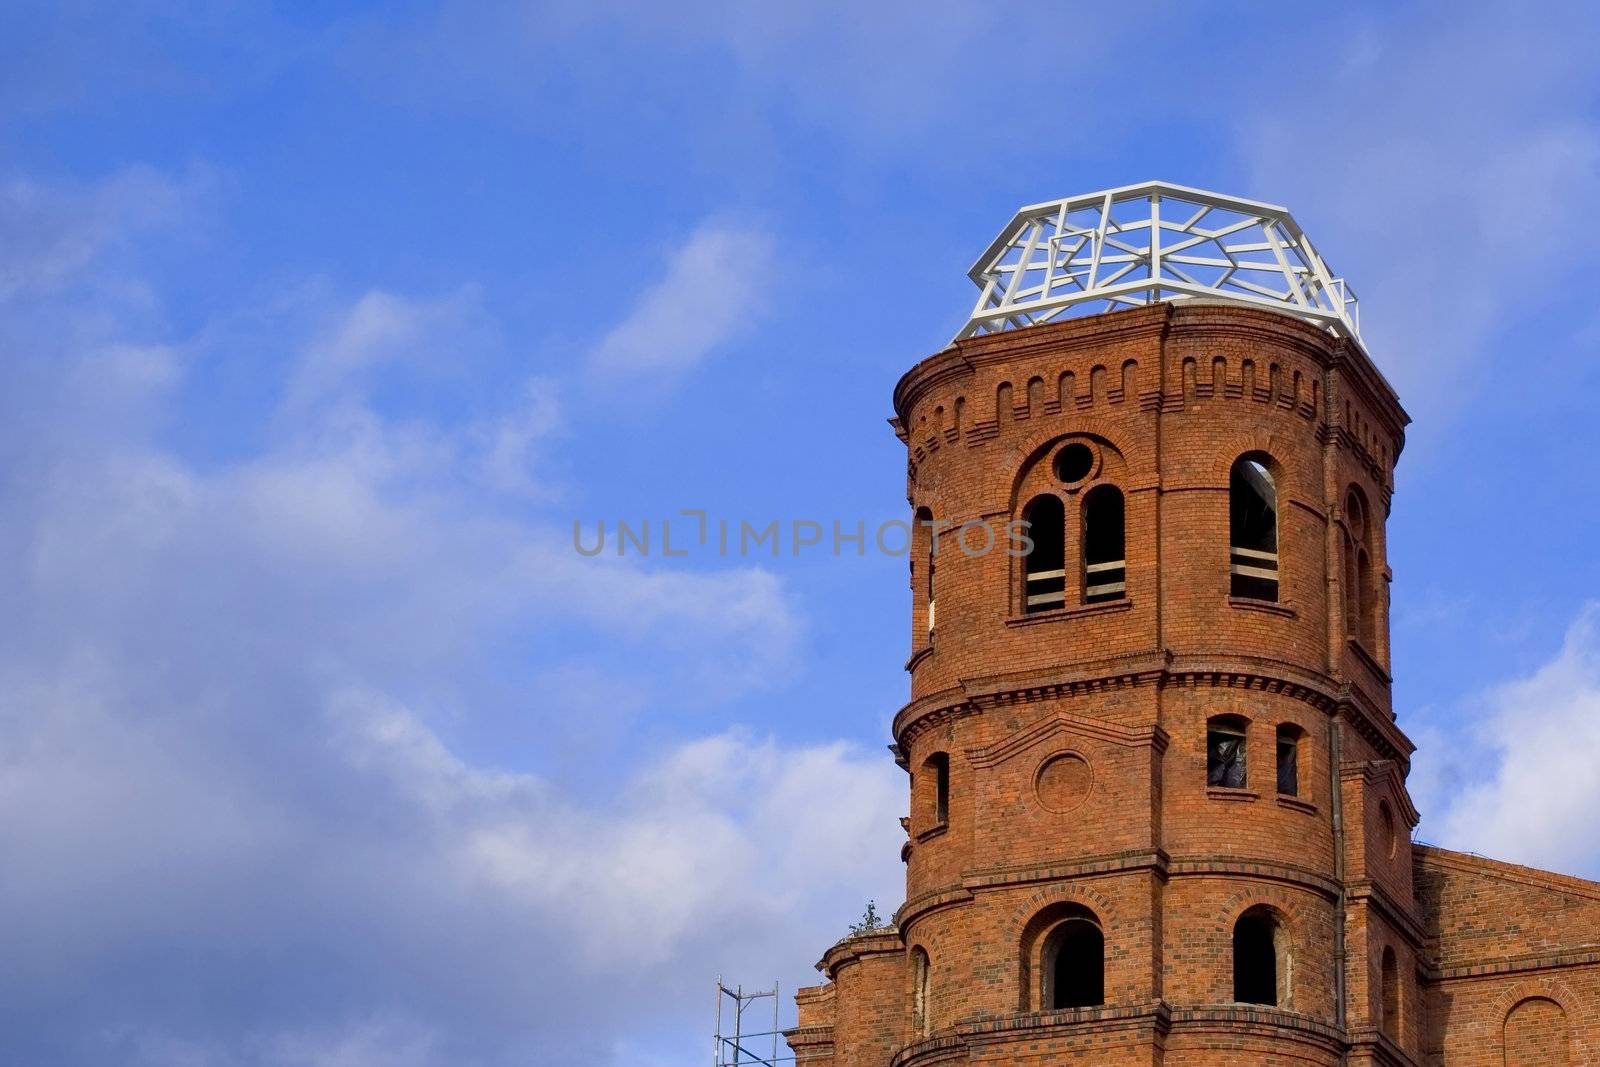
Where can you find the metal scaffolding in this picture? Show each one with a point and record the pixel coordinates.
(739, 1048)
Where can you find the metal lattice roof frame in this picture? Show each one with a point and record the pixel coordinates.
(1142, 244)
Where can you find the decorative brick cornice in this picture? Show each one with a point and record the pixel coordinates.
(1263, 675)
(925, 903)
(1359, 372)
(974, 695)
(957, 1043)
(1062, 723)
(1379, 474)
(1120, 672)
(1379, 1049)
(810, 1042)
(1070, 1022)
(1394, 912)
(1384, 775)
(1257, 1020)
(1155, 861)
(1527, 963)
(941, 1048)
(1108, 863)
(1218, 866)
(1378, 729)
(1369, 661)
(859, 946)
(1151, 1021)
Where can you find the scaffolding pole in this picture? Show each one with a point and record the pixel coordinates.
(737, 1049)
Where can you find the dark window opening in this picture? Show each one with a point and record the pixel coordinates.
(1076, 959)
(1288, 761)
(1105, 568)
(1044, 567)
(1391, 994)
(1253, 529)
(1255, 958)
(1074, 463)
(1225, 753)
(936, 783)
(924, 530)
(1352, 598)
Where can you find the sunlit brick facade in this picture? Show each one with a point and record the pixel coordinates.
(1158, 794)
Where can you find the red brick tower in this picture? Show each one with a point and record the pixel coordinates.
(1158, 802)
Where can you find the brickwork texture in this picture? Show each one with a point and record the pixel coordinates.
(1088, 877)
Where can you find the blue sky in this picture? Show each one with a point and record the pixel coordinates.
(320, 747)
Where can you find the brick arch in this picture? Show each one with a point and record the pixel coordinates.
(1105, 429)
(1029, 925)
(919, 977)
(1548, 988)
(1288, 949)
(1236, 445)
(1061, 893)
(1023, 456)
(1551, 989)
(1354, 488)
(1246, 898)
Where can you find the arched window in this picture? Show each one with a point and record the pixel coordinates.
(927, 556)
(1361, 609)
(919, 992)
(1044, 567)
(1074, 962)
(1253, 528)
(1261, 959)
(1391, 994)
(1105, 573)
(934, 788)
(1290, 738)
(1226, 752)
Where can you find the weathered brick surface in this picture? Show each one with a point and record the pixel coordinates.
(1076, 738)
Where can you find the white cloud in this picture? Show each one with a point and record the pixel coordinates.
(509, 443)
(703, 836)
(382, 329)
(241, 834)
(51, 234)
(1528, 789)
(372, 1043)
(714, 288)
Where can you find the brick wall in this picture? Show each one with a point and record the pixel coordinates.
(1076, 736)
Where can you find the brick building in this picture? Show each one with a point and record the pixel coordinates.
(1157, 789)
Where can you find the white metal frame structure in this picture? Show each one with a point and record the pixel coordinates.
(1142, 244)
(736, 1048)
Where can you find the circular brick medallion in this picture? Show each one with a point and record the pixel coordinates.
(1388, 839)
(1063, 782)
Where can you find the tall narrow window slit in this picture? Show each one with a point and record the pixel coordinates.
(1044, 567)
(1105, 568)
(1253, 529)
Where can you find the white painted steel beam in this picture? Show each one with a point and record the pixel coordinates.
(1123, 248)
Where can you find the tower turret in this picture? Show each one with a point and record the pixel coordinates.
(1158, 810)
